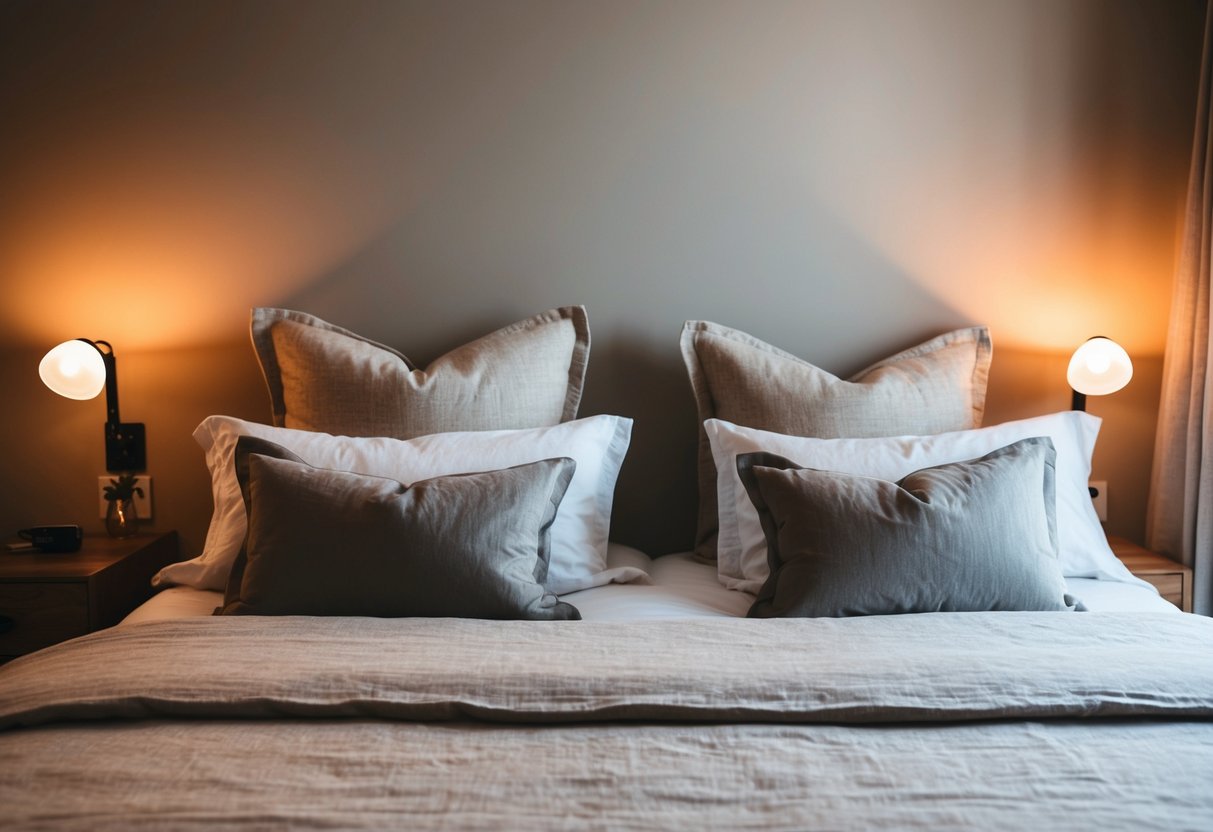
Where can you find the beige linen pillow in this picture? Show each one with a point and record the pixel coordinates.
(934, 387)
(325, 378)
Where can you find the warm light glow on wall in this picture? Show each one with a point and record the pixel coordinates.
(1040, 212)
(163, 173)
(160, 253)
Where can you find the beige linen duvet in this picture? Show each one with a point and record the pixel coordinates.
(951, 720)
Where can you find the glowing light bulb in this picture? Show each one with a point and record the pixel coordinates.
(1098, 363)
(74, 369)
(1099, 367)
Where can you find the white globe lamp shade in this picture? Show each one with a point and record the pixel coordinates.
(74, 369)
(1099, 367)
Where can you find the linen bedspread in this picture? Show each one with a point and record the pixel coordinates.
(964, 720)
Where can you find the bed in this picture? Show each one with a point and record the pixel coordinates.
(675, 701)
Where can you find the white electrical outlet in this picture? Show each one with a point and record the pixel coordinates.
(142, 504)
(1099, 496)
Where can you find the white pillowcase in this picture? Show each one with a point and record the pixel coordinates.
(742, 548)
(579, 534)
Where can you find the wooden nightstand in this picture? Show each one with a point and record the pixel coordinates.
(48, 598)
(1174, 580)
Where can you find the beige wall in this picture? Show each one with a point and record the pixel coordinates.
(842, 179)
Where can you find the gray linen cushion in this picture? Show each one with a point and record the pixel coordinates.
(937, 386)
(977, 535)
(324, 542)
(325, 378)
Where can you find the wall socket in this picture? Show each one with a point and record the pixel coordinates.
(142, 504)
(1099, 496)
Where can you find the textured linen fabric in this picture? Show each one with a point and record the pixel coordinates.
(1083, 548)
(937, 386)
(325, 378)
(940, 720)
(964, 536)
(597, 444)
(870, 669)
(360, 774)
(324, 542)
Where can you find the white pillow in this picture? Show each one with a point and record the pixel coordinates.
(1083, 546)
(579, 534)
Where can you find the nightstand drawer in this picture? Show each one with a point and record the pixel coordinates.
(46, 598)
(41, 614)
(1170, 587)
(1173, 580)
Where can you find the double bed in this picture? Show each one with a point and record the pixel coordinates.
(675, 701)
(661, 709)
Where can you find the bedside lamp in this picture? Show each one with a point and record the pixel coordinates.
(79, 369)
(1098, 367)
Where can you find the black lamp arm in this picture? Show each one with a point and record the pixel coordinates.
(111, 378)
(125, 444)
(111, 381)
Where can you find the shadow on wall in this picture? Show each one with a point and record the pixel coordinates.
(416, 293)
(655, 503)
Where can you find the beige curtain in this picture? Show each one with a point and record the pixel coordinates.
(1180, 519)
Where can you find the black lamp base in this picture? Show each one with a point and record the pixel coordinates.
(1078, 401)
(125, 447)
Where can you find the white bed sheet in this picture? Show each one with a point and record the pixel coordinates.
(1114, 596)
(175, 602)
(681, 586)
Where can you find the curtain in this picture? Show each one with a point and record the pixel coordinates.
(1180, 513)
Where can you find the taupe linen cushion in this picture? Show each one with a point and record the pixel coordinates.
(937, 386)
(977, 535)
(325, 378)
(324, 542)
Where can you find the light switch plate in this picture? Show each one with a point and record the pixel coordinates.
(142, 504)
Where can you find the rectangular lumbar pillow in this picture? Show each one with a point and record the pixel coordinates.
(960, 537)
(598, 444)
(1083, 547)
(936, 386)
(324, 542)
(325, 378)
